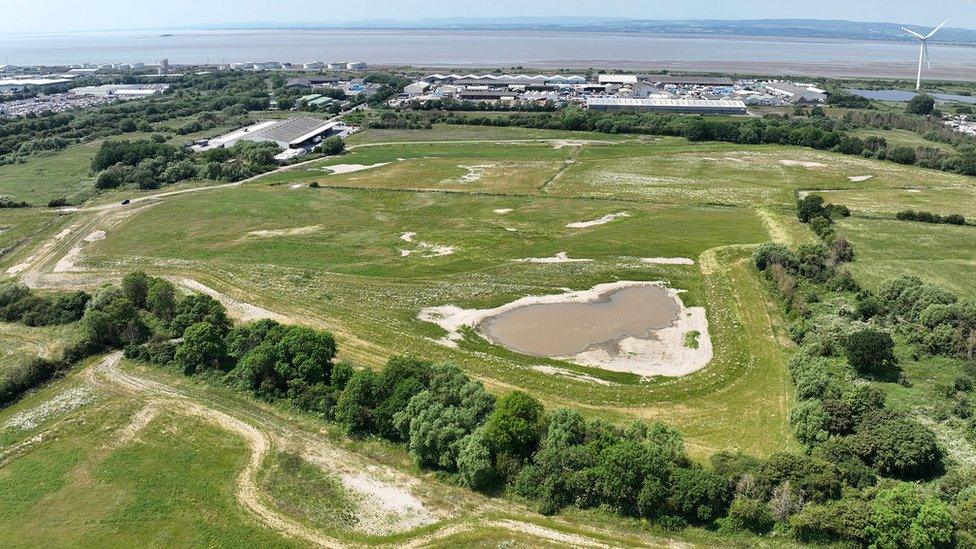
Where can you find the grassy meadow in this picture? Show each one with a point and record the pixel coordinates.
(441, 217)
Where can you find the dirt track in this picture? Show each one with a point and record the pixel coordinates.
(260, 431)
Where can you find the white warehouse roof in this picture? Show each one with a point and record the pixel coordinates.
(687, 103)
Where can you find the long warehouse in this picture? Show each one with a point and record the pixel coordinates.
(683, 106)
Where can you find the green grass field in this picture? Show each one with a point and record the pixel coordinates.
(357, 256)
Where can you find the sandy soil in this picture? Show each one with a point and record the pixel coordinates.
(802, 164)
(67, 261)
(601, 221)
(240, 310)
(424, 249)
(385, 508)
(62, 402)
(339, 169)
(667, 261)
(62, 234)
(503, 211)
(21, 266)
(553, 370)
(95, 236)
(561, 257)
(295, 231)
(663, 354)
(140, 421)
(859, 178)
(475, 173)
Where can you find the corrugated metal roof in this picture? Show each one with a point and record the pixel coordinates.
(691, 103)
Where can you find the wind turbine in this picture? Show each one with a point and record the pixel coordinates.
(923, 54)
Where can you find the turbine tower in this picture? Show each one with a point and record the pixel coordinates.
(923, 54)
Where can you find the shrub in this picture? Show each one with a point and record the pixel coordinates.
(898, 447)
(750, 514)
(871, 353)
(17, 380)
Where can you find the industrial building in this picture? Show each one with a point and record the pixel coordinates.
(125, 91)
(682, 106)
(617, 79)
(13, 85)
(298, 133)
(663, 79)
(506, 79)
(797, 94)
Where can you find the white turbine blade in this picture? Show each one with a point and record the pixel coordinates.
(925, 48)
(913, 33)
(937, 29)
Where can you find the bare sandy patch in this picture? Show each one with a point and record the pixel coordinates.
(428, 250)
(296, 186)
(662, 353)
(561, 257)
(859, 178)
(475, 173)
(503, 211)
(802, 164)
(601, 221)
(913, 190)
(294, 231)
(408, 236)
(339, 169)
(21, 266)
(563, 372)
(62, 234)
(61, 403)
(139, 422)
(95, 236)
(667, 261)
(385, 508)
(237, 309)
(67, 262)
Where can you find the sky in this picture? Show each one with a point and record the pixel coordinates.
(28, 16)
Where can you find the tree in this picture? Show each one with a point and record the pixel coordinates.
(872, 353)
(902, 518)
(750, 514)
(698, 495)
(161, 299)
(135, 285)
(474, 462)
(898, 447)
(921, 104)
(809, 422)
(200, 308)
(202, 347)
(903, 155)
(333, 146)
(809, 207)
(354, 409)
(515, 425)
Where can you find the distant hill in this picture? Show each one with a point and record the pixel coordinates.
(798, 28)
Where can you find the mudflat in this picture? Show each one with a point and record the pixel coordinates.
(565, 329)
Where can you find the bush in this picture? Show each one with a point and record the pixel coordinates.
(17, 380)
(921, 104)
(751, 515)
(872, 353)
(697, 495)
(332, 146)
(202, 347)
(898, 447)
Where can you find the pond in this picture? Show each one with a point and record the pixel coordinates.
(906, 96)
(566, 329)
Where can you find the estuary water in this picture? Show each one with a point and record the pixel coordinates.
(538, 49)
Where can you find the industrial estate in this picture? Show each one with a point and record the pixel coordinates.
(346, 304)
